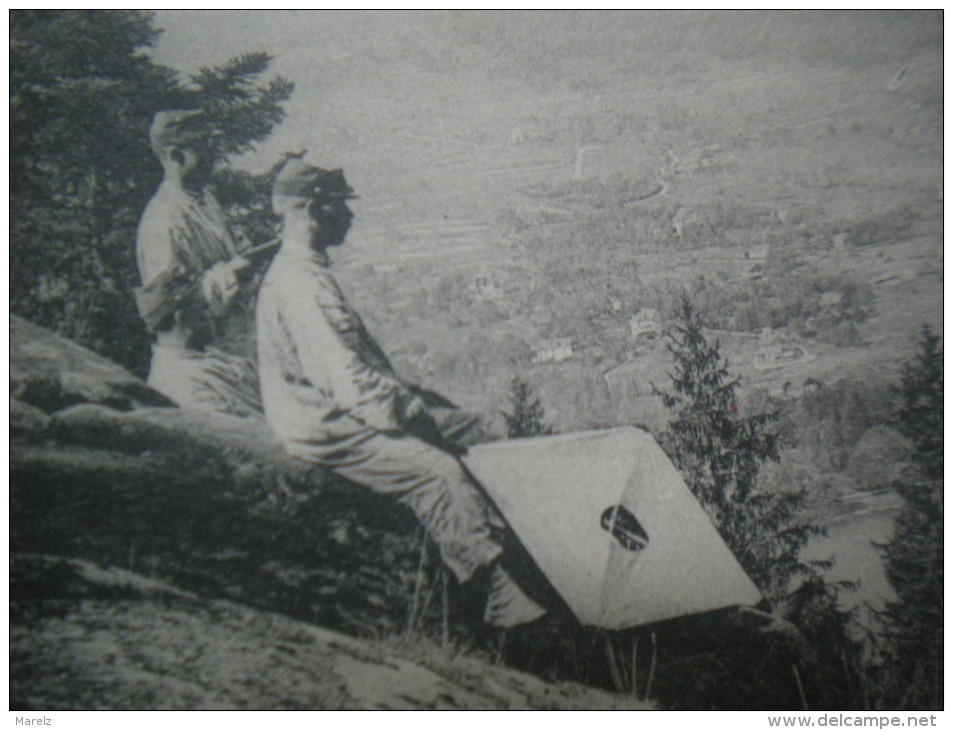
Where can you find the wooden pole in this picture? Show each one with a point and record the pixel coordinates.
(498, 659)
(800, 687)
(418, 585)
(613, 666)
(633, 690)
(445, 634)
(648, 686)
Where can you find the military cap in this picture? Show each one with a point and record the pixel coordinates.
(168, 128)
(297, 179)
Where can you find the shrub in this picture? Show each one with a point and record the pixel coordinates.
(528, 417)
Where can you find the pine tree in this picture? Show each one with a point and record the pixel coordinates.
(719, 452)
(82, 96)
(528, 417)
(920, 416)
(914, 556)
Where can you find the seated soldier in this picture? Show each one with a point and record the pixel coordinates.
(332, 397)
(188, 261)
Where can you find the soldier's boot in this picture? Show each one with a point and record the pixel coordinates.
(507, 605)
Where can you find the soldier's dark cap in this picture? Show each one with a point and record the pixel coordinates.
(170, 128)
(297, 179)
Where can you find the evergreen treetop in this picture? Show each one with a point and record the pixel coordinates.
(719, 451)
(528, 417)
(914, 556)
(83, 92)
(920, 416)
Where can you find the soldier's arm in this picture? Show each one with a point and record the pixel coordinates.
(163, 296)
(167, 284)
(371, 395)
(214, 210)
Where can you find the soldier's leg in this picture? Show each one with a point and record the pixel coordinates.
(449, 503)
(208, 381)
(436, 486)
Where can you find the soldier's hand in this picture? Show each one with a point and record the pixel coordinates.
(220, 283)
(238, 263)
(418, 421)
(414, 408)
(414, 415)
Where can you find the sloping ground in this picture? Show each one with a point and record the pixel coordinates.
(245, 552)
(83, 637)
(210, 502)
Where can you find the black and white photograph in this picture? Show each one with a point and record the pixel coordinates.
(476, 360)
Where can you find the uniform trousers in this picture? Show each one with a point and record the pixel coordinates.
(209, 380)
(439, 489)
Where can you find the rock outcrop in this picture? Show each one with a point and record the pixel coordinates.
(50, 373)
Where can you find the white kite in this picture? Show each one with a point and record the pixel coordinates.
(612, 525)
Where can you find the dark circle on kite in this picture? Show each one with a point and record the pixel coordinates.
(624, 527)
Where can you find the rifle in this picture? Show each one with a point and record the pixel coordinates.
(162, 297)
(255, 251)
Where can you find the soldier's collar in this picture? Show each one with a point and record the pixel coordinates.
(295, 248)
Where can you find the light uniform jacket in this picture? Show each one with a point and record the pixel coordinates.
(180, 237)
(181, 234)
(323, 377)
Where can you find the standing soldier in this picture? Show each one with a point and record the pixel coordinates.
(189, 262)
(331, 396)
